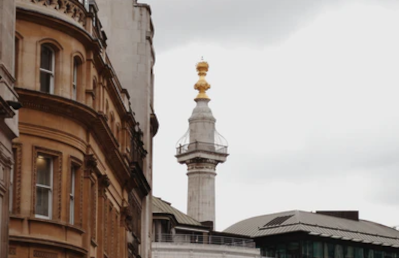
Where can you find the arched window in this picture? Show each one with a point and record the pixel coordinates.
(47, 60)
(75, 78)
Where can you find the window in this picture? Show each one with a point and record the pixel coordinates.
(44, 186)
(72, 196)
(75, 78)
(47, 60)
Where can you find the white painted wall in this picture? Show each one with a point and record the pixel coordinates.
(173, 250)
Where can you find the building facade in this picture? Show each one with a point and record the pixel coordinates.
(8, 115)
(323, 234)
(128, 25)
(79, 187)
(176, 234)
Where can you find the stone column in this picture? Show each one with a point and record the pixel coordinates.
(201, 189)
(89, 214)
(103, 183)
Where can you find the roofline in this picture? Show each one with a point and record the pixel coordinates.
(315, 225)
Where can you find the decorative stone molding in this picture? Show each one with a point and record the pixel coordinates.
(17, 148)
(71, 8)
(90, 164)
(94, 211)
(12, 250)
(44, 254)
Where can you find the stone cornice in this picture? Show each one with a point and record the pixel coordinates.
(53, 243)
(84, 115)
(51, 21)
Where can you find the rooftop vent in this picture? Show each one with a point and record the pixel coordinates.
(277, 221)
(352, 215)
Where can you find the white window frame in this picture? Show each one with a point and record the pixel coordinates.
(51, 88)
(72, 196)
(50, 196)
(75, 79)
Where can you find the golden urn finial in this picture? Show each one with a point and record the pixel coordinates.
(202, 85)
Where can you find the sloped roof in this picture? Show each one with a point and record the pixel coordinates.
(161, 207)
(317, 224)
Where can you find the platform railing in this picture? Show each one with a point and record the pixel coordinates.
(201, 146)
(205, 240)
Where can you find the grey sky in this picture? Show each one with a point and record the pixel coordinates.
(305, 92)
(235, 22)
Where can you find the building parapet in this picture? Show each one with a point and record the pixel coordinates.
(204, 240)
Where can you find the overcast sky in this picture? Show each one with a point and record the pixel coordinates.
(306, 93)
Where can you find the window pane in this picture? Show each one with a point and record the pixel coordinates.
(317, 249)
(46, 58)
(339, 251)
(42, 201)
(349, 253)
(72, 183)
(359, 252)
(45, 81)
(43, 170)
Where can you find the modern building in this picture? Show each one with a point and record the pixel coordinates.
(81, 181)
(8, 114)
(323, 234)
(202, 148)
(176, 234)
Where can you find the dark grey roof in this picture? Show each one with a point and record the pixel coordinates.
(317, 224)
(160, 206)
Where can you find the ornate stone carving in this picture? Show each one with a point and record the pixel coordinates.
(18, 176)
(71, 8)
(90, 164)
(12, 251)
(94, 211)
(44, 254)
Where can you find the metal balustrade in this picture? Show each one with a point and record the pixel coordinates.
(205, 240)
(201, 146)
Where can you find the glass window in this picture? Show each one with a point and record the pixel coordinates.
(329, 250)
(47, 69)
(293, 250)
(368, 253)
(359, 252)
(72, 196)
(348, 252)
(378, 254)
(317, 250)
(75, 78)
(281, 251)
(307, 249)
(44, 186)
